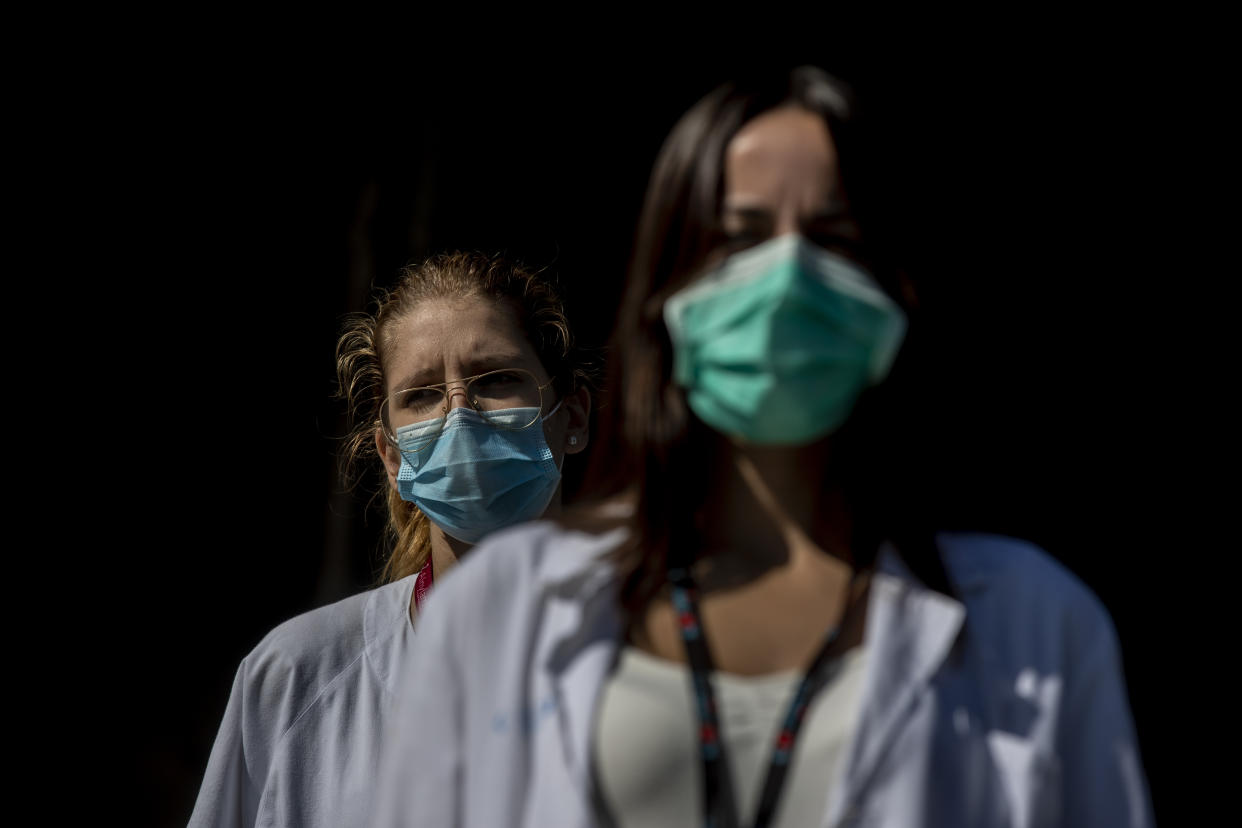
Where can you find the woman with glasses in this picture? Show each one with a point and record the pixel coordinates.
(774, 634)
(468, 388)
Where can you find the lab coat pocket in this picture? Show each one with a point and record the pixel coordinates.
(1030, 778)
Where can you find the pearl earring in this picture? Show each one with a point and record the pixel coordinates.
(573, 441)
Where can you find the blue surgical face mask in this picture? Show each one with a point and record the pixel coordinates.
(477, 476)
(776, 344)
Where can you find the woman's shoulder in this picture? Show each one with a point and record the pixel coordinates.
(1013, 587)
(303, 655)
(526, 561)
(981, 561)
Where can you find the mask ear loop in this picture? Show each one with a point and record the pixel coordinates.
(545, 417)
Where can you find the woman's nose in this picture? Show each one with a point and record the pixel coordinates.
(457, 397)
(787, 223)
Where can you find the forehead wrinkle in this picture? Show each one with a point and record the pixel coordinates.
(478, 351)
(455, 336)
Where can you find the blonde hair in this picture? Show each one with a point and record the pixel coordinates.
(367, 338)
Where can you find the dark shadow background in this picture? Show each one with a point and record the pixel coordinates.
(269, 189)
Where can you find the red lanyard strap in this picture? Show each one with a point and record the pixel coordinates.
(422, 583)
(719, 804)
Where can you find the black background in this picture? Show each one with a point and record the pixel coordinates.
(262, 187)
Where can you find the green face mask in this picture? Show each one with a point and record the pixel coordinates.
(776, 344)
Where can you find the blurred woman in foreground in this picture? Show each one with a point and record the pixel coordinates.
(754, 627)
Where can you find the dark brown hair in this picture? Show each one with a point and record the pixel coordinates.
(367, 340)
(649, 446)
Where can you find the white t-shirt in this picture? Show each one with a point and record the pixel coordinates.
(646, 746)
(300, 742)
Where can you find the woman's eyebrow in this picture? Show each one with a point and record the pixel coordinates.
(754, 217)
(842, 216)
(416, 380)
(494, 362)
(749, 211)
(835, 210)
(475, 365)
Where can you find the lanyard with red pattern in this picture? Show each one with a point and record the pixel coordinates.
(719, 806)
(422, 583)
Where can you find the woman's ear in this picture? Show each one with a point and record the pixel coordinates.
(577, 431)
(389, 454)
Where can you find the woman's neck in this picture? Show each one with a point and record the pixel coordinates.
(773, 564)
(769, 507)
(445, 551)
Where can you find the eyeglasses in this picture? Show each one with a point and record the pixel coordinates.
(511, 398)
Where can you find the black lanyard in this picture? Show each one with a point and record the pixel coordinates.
(719, 804)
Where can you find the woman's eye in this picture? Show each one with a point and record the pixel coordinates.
(421, 397)
(836, 243)
(742, 239)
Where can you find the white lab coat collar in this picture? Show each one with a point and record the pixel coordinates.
(910, 632)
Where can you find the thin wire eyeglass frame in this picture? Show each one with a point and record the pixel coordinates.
(443, 388)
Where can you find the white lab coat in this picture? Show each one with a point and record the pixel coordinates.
(1004, 708)
(300, 743)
